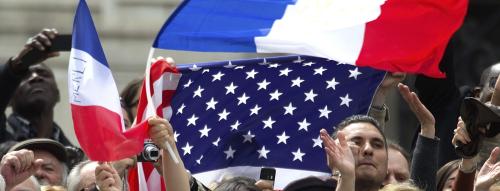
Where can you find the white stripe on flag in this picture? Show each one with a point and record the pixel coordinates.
(167, 81)
(90, 82)
(167, 113)
(157, 93)
(170, 80)
(344, 45)
(283, 175)
(154, 180)
(143, 186)
(308, 24)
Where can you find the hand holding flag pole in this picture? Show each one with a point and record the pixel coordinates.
(162, 79)
(150, 107)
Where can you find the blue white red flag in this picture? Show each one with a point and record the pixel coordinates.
(94, 99)
(392, 35)
(232, 118)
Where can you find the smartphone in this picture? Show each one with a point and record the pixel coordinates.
(59, 43)
(267, 174)
(62, 42)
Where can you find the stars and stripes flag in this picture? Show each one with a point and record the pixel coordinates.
(232, 118)
(164, 80)
(392, 35)
(94, 99)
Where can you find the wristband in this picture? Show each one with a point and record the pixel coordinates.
(467, 170)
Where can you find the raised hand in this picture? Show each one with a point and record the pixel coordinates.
(169, 60)
(424, 116)
(121, 166)
(489, 173)
(390, 81)
(174, 174)
(38, 43)
(107, 179)
(460, 133)
(264, 185)
(340, 156)
(17, 166)
(161, 132)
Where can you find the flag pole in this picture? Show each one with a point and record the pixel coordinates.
(150, 107)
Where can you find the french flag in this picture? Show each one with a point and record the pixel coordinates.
(94, 98)
(392, 35)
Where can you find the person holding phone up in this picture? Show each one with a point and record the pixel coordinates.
(30, 88)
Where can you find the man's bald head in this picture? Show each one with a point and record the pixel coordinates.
(487, 83)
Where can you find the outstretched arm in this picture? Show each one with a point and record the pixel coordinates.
(378, 110)
(467, 171)
(175, 176)
(424, 116)
(424, 160)
(17, 66)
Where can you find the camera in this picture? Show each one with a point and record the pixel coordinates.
(150, 153)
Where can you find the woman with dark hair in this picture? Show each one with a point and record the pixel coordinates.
(130, 97)
(446, 175)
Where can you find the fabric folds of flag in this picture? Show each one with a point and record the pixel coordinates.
(392, 35)
(164, 79)
(144, 177)
(232, 118)
(94, 99)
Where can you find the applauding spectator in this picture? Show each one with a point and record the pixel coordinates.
(366, 166)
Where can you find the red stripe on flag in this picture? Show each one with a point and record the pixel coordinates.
(167, 96)
(93, 124)
(141, 107)
(158, 69)
(133, 177)
(415, 45)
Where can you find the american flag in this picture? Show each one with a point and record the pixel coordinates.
(234, 117)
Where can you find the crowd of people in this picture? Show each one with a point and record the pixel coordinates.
(36, 155)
